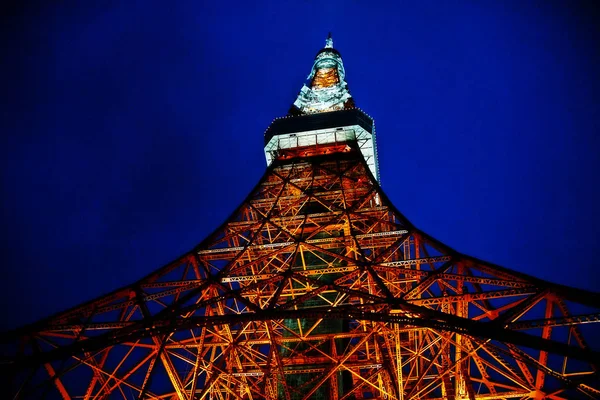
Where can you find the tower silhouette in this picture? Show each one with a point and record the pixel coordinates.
(317, 287)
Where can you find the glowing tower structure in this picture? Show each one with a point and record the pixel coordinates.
(317, 287)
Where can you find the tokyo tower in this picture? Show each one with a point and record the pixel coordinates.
(316, 287)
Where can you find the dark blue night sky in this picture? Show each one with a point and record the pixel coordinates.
(130, 130)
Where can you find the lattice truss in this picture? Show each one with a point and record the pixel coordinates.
(316, 287)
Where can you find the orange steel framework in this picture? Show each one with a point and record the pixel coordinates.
(316, 287)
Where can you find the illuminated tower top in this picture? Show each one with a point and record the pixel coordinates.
(324, 118)
(326, 88)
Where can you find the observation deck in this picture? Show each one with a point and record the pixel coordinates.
(321, 129)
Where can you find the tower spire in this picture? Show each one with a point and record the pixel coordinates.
(329, 42)
(326, 88)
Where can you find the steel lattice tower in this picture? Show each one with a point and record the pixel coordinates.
(317, 287)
